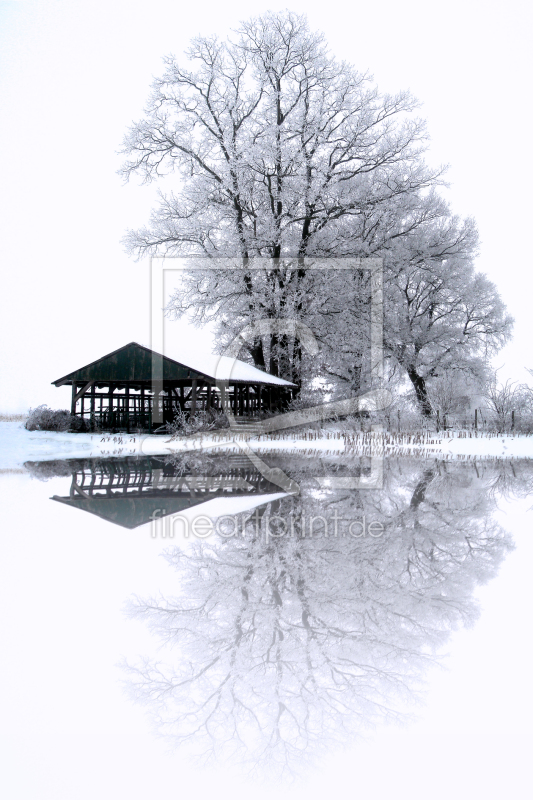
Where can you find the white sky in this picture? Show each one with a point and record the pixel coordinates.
(74, 74)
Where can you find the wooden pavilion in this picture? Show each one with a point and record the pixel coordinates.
(134, 388)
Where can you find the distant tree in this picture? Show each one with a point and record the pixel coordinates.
(450, 393)
(505, 400)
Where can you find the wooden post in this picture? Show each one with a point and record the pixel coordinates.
(512, 420)
(110, 406)
(73, 402)
(193, 398)
(438, 421)
(223, 398)
(127, 403)
(475, 419)
(93, 400)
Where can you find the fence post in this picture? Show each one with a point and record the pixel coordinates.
(438, 421)
(475, 419)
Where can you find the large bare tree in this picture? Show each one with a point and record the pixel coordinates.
(284, 153)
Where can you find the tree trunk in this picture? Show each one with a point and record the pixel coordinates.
(419, 384)
(419, 493)
(258, 354)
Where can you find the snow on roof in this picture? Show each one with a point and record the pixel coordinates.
(134, 362)
(224, 368)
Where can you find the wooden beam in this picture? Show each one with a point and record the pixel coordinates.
(83, 390)
(76, 488)
(198, 384)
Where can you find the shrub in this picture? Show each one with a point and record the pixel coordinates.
(43, 418)
(44, 470)
(185, 425)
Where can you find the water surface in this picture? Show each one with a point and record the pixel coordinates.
(265, 632)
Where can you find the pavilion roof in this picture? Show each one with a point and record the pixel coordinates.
(133, 363)
(224, 368)
(129, 511)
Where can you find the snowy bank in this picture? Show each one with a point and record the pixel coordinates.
(17, 445)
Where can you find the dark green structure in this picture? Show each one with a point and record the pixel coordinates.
(134, 388)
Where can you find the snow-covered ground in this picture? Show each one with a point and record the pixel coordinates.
(17, 445)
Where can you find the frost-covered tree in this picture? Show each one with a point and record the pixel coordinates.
(441, 315)
(284, 153)
(278, 146)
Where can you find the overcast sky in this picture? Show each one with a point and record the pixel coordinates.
(74, 75)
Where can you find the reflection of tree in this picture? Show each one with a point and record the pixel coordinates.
(284, 645)
(509, 479)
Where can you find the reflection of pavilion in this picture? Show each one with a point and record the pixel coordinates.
(132, 491)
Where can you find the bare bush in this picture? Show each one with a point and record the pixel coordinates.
(509, 405)
(43, 418)
(44, 470)
(184, 424)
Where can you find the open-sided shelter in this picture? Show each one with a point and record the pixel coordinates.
(135, 388)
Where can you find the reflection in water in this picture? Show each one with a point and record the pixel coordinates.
(277, 647)
(133, 491)
(290, 637)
